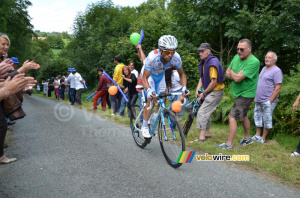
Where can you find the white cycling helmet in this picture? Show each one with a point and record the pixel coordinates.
(167, 42)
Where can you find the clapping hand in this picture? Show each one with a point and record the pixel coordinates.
(5, 67)
(28, 65)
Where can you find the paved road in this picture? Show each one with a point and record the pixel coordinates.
(67, 152)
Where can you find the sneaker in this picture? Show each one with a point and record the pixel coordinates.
(246, 142)
(262, 141)
(224, 146)
(145, 132)
(295, 154)
(257, 138)
(112, 114)
(11, 122)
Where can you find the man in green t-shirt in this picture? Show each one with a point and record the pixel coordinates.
(243, 71)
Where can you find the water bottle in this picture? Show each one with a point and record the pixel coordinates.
(153, 118)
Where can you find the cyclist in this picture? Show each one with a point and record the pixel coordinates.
(153, 78)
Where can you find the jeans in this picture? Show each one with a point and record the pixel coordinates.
(123, 105)
(298, 148)
(72, 95)
(62, 93)
(263, 113)
(132, 100)
(116, 102)
(69, 94)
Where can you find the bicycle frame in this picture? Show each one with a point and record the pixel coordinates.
(160, 114)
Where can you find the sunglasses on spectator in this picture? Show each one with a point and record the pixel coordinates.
(241, 49)
(168, 52)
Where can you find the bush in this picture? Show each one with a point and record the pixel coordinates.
(285, 121)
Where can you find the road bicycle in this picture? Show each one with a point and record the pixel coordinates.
(170, 136)
(192, 109)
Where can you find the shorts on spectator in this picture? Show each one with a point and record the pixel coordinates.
(263, 113)
(240, 107)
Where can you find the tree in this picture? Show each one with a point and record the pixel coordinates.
(55, 42)
(15, 22)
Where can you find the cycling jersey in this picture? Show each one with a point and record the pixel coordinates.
(153, 63)
(157, 68)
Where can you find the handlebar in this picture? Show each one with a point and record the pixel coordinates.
(164, 94)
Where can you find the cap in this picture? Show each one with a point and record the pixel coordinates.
(204, 46)
(69, 69)
(73, 69)
(14, 60)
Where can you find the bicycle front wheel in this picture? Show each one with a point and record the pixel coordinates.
(136, 126)
(188, 123)
(171, 138)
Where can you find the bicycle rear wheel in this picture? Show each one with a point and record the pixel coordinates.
(136, 126)
(171, 138)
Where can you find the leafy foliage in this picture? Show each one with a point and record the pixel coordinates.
(103, 31)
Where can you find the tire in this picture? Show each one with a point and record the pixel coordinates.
(171, 147)
(188, 123)
(137, 134)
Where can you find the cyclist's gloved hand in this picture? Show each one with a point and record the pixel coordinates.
(150, 92)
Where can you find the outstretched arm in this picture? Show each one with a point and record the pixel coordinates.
(296, 103)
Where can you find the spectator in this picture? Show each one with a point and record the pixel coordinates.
(10, 86)
(15, 62)
(67, 83)
(142, 57)
(212, 80)
(267, 93)
(132, 70)
(101, 91)
(62, 88)
(72, 87)
(129, 84)
(56, 86)
(107, 96)
(78, 86)
(50, 87)
(117, 77)
(45, 87)
(174, 86)
(123, 102)
(243, 71)
(295, 106)
(38, 88)
(14, 83)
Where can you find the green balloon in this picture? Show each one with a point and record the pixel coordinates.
(134, 38)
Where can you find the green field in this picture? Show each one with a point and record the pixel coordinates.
(57, 51)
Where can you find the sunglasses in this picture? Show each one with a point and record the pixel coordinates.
(241, 49)
(167, 52)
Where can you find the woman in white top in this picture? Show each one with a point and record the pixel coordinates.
(174, 86)
(56, 86)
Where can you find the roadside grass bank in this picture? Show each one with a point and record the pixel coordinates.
(271, 159)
